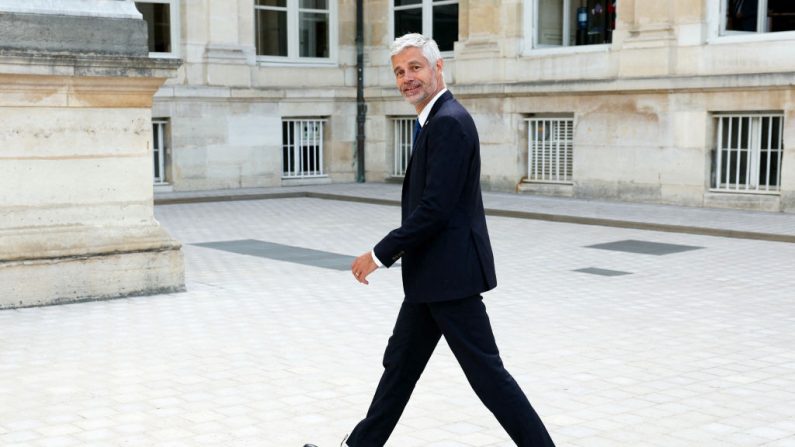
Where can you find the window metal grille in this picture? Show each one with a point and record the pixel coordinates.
(550, 148)
(302, 148)
(403, 142)
(748, 155)
(159, 128)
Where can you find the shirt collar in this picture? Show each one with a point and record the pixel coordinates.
(423, 116)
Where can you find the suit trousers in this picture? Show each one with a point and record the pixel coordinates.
(467, 330)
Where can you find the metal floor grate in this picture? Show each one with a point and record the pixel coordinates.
(644, 247)
(602, 272)
(286, 253)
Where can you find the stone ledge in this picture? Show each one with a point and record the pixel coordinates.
(743, 201)
(59, 33)
(71, 242)
(15, 61)
(616, 85)
(91, 278)
(547, 189)
(91, 8)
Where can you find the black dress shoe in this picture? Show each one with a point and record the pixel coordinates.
(343, 444)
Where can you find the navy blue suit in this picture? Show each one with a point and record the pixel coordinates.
(447, 263)
(443, 240)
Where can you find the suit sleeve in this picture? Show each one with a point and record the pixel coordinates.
(447, 168)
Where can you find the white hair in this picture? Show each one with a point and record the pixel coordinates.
(413, 40)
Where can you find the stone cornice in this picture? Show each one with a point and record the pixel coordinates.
(55, 64)
(119, 9)
(670, 84)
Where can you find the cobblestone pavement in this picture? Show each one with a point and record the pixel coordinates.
(693, 348)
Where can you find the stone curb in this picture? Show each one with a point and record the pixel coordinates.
(562, 218)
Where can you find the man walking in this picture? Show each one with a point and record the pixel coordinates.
(447, 261)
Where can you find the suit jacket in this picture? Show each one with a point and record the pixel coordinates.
(443, 240)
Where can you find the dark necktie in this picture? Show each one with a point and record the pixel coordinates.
(417, 129)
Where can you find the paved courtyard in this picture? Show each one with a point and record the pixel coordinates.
(619, 337)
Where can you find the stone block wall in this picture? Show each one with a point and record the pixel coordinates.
(642, 105)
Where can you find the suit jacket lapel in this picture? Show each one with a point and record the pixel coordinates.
(446, 96)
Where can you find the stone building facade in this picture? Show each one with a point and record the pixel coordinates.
(681, 102)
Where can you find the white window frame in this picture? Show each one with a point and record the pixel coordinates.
(402, 143)
(427, 18)
(174, 24)
(716, 13)
(293, 39)
(295, 152)
(754, 151)
(530, 25)
(159, 149)
(558, 167)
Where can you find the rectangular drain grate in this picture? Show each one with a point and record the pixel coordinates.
(281, 252)
(602, 272)
(644, 247)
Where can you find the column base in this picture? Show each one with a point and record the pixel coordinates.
(120, 263)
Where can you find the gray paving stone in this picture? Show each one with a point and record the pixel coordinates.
(691, 349)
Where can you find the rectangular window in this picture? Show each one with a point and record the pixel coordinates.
(162, 23)
(436, 18)
(271, 24)
(572, 22)
(758, 16)
(159, 147)
(294, 29)
(550, 144)
(302, 148)
(748, 152)
(403, 141)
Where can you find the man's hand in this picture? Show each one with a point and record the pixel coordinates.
(363, 266)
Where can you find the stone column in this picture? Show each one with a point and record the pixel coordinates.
(76, 88)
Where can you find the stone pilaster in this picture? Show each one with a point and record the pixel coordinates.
(645, 34)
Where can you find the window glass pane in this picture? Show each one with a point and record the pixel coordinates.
(271, 32)
(593, 23)
(597, 23)
(445, 26)
(156, 136)
(407, 2)
(408, 21)
(550, 22)
(158, 22)
(279, 3)
(314, 34)
(314, 4)
(780, 15)
(741, 15)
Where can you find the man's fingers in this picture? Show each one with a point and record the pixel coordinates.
(363, 266)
